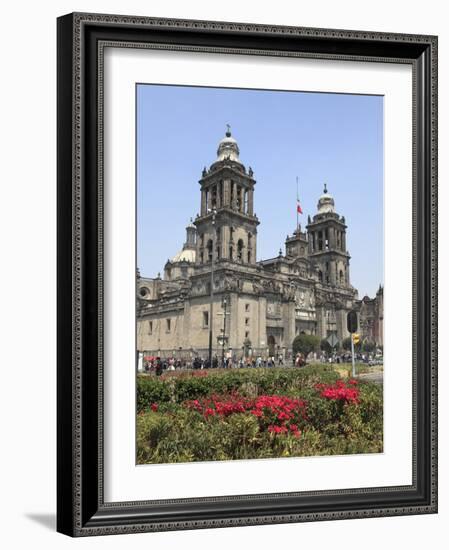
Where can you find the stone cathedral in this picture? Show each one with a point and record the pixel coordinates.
(252, 307)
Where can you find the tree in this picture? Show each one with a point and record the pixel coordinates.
(325, 346)
(346, 344)
(368, 346)
(305, 343)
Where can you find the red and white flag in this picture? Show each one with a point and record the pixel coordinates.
(298, 205)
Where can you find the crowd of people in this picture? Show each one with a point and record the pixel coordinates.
(158, 365)
(345, 357)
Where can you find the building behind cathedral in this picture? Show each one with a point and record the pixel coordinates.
(256, 307)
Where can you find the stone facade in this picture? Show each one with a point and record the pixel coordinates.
(371, 317)
(255, 307)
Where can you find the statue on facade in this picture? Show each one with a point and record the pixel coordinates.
(230, 283)
(257, 287)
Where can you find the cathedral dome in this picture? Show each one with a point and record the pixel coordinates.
(228, 148)
(188, 252)
(326, 202)
(185, 255)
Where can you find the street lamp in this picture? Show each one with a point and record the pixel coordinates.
(211, 307)
(222, 338)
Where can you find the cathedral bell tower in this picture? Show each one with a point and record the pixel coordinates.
(327, 244)
(227, 224)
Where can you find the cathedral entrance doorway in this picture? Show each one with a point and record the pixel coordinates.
(271, 345)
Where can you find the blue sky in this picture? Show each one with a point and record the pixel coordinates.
(332, 138)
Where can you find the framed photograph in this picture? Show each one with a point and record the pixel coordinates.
(247, 274)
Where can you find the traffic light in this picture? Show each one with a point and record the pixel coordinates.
(356, 339)
(352, 321)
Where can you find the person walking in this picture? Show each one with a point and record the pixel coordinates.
(159, 366)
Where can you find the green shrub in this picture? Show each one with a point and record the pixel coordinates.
(151, 390)
(248, 382)
(305, 343)
(176, 433)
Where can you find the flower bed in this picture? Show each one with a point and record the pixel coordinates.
(340, 391)
(180, 386)
(276, 414)
(230, 415)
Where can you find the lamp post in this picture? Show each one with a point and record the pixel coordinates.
(222, 338)
(211, 307)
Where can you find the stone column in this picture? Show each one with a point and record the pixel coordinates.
(225, 242)
(262, 325)
(203, 202)
(217, 187)
(332, 238)
(233, 320)
(342, 329)
(251, 202)
(222, 195)
(289, 324)
(321, 329)
(333, 272)
(226, 192)
(254, 243)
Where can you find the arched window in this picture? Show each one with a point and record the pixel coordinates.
(231, 253)
(320, 276)
(342, 277)
(250, 245)
(240, 249)
(209, 250)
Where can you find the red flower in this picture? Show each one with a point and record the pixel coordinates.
(273, 411)
(154, 407)
(340, 391)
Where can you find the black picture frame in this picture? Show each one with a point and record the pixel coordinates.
(81, 510)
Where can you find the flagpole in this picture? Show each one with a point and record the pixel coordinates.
(297, 200)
